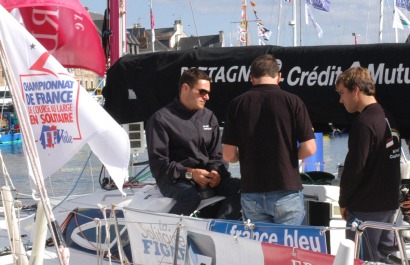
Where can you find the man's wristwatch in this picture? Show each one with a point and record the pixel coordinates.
(188, 174)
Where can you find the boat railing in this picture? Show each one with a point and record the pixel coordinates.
(396, 228)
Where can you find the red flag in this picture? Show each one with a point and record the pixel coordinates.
(64, 28)
(56, 114)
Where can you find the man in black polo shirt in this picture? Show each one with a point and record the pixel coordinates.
(262, 131)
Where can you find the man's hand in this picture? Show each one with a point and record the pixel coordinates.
(200, 176)
(214, 178)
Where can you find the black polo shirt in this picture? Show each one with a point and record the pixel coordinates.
(265, 124)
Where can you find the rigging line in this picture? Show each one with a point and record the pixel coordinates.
(76, 183)
(193, 17)
(91, 170)
(368, 21)
(347, 12)
(381, 21)
(7, 179)
(271, 16)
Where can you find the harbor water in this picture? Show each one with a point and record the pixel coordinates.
(82, 173)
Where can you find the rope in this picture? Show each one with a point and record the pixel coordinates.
(75, 183)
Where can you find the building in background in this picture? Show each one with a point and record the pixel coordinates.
(139, 42)
(169, 39)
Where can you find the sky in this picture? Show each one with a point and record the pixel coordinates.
(199, 17)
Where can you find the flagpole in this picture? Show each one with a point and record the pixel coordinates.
(395, 28)
(381, 22)
(300, 23)
(279, 19)
(152, 27)
(246, 25)
(118, 42)
(293, 23)
(123, 28)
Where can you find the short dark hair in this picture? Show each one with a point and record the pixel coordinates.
(265, 65)
(191, 77)
(357, 76)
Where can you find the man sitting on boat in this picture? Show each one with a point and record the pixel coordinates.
(184, 150)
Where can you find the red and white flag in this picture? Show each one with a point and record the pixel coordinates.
(65, 29)
(152, 19)
(61, 116)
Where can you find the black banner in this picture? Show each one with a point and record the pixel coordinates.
(138, 85)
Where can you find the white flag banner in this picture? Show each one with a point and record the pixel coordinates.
(62, 114)
(317, 27)
(400, 20)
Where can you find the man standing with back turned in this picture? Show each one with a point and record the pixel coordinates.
(184, 150)
(262, 131)
(370, 182)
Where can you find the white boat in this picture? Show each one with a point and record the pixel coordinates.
(98, 227)
(148, 234)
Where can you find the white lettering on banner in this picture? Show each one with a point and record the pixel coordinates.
(396, 153)
(297, 76)
(271, 238)
(302, 242)
(232, 74)
(78, 26)
(42, 17)
(383, 75)
(292, 240)
(318, 76)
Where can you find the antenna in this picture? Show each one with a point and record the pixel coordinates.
(196, 30)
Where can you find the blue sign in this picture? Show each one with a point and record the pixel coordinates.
(310, 238)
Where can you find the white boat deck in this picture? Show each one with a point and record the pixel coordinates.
(316, 193)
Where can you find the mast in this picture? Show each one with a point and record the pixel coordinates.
(152, 27)
(118, 41)
(381, 22)
(244, 23)
(300, 22)
(292, 23)
(279, 19)
(395, 28)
